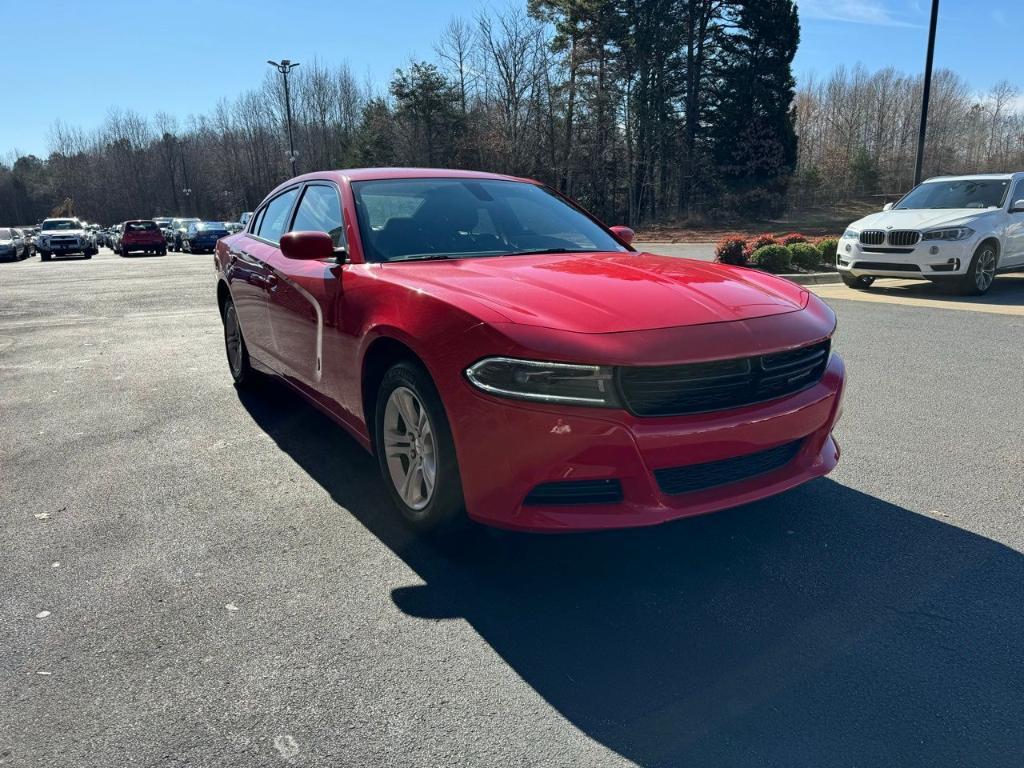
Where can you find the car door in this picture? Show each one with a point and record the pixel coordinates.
(301, 299)
(250, 276)
(1013, 241)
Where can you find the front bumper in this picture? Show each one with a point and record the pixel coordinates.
(928, 259)
(508, 448)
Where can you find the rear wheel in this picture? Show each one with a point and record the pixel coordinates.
(124, 253)
(234, 344)
(44, 255)
(416, 450)
(982, 272)
(860, 283)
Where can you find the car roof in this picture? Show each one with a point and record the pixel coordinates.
(977, 176)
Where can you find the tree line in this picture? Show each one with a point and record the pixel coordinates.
(644, 110)
(858, 132)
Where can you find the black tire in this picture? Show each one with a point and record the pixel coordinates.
(44, 255)
(87, 255)
(162, 252)
(444, 510)
(859, 283)
(238, 357)
(982, 272)
(124, 253)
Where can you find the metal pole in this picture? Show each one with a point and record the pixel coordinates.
(288, 110)
(926, 94)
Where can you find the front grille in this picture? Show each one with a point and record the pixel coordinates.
(881, 265)
(698, 477)
(568, 492)
(872, 237)
(674, 390)
(904, 237)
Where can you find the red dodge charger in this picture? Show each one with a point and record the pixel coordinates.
(507, 356)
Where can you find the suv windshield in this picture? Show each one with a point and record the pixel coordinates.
(5, 234)
(964, 193)
(61, 224)
(408, 219)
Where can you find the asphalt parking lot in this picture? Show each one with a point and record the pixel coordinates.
(225, 587)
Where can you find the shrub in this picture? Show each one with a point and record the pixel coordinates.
(759, 242)
(793, 238)
(731, 249)
(772, 258)
(827, 248)
(805, 255)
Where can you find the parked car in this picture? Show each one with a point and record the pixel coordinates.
(28, 237)
(178, 227)
(244, 219)
(12, 244)
(65, 237)
(202, 236)
(141, 235)
(233, 226)
(506, 355)
(958, 230)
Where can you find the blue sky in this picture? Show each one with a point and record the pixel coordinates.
(183, 56)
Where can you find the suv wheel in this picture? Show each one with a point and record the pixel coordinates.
(416, 451)
(982, 271)
(860, 283)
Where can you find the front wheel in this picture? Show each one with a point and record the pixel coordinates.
(44, 255)
(860, 283)
(234, 344)
(982, 272)
(416, 450)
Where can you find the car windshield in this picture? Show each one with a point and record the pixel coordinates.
(409, 219)
(5, 234)
(140, 226)
(61, 224)
(211, 226)
(963, 193)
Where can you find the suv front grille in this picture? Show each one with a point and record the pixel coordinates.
(872, 237)
(673, 390)
(904, 237)
(698, 477)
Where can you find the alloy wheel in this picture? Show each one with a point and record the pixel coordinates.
(985, 271)
(409, 448)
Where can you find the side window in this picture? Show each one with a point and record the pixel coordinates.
(275, 217)
(255, 221)
(320, 211)
(1018, 193)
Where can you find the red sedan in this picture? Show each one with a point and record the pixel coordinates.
(507, 356)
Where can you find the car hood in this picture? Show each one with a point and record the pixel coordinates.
(921, 218)
(603, 292)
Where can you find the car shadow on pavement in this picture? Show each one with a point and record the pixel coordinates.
(824, 627)
(1006, 291)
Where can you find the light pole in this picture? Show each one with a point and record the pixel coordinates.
(926, 93)
(187, 191)
(284, 68)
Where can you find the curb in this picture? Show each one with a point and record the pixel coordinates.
(814, 278)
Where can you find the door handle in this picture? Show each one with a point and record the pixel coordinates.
(271, 281)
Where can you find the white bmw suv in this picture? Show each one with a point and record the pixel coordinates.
(957, 229)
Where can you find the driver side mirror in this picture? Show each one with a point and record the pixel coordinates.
(1017, 207)
(625, 234)
(307, 246)
(887, 206)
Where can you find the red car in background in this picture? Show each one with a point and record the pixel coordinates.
(142, 235)
(506, 355)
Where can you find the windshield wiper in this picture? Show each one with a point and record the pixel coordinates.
(542, 251)
(423, 257)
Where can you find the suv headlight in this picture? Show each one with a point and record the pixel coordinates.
(952, 233)
(544, 382)
(851, 234)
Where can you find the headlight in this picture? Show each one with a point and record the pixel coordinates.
(545, 382)
(851, 234)
(953, 233)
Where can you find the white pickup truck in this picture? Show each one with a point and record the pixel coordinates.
(64, 237)
(963, 230)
